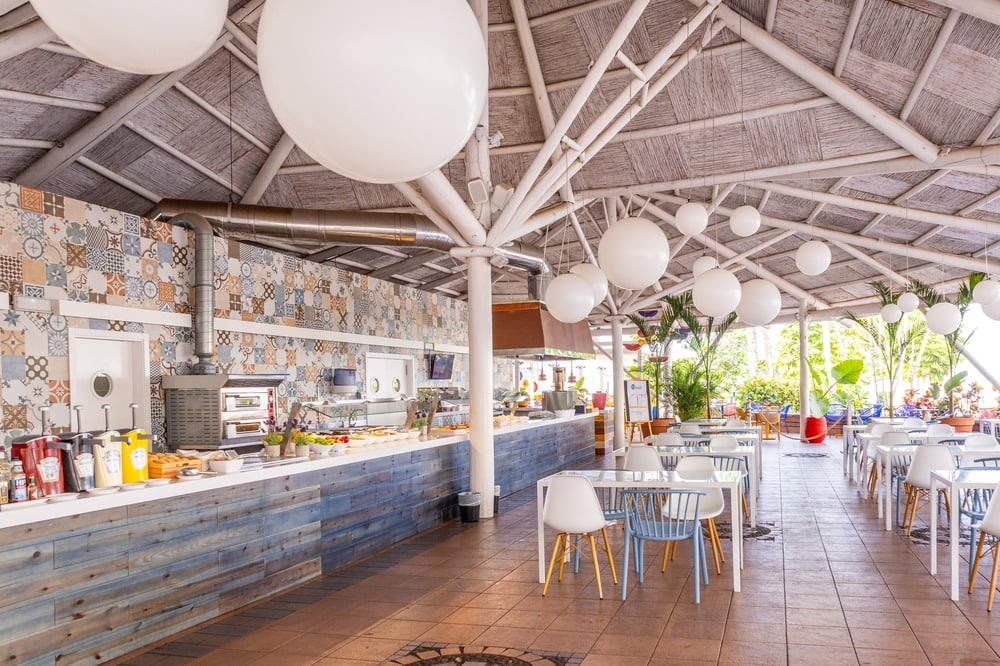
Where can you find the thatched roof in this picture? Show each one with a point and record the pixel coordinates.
(873, 125)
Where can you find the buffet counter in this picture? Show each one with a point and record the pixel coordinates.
(96, 577)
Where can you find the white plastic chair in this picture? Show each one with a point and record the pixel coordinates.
(736, 423)
(988, 527)
(572, 508)
(876, 430)
(709, 507)
(918, 479)
(724, 443)
(938, 431)
(891, 438)
(911, 422)
(669, 439)
(643, 459)
(980, 440)
(689, 429)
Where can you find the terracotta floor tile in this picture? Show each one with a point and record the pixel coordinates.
(367, 649)
(872, 657)
(811, 655)
(564, 641)
(752, 653)
(624, 645)
(681, 648)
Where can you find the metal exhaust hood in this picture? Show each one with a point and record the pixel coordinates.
(527, 329)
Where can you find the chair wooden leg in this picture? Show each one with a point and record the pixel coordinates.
(993, 576)
(716, 547)
(597, 566)
(746, 507)
(567, 551)
(611, 560)
(556, 552)
(975, 561)
(666, 551)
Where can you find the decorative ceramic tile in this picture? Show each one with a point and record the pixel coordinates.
(14, 416)
(165, 292)
(97, 237)
(116, 284)
(131, 245)
(131, 223)
(55, 275)
(32, 199)
(59, 391)
(76, 255)
(12, 368)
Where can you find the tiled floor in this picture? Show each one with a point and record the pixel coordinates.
(827, 586)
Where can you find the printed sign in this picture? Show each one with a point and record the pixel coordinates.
(637, 400)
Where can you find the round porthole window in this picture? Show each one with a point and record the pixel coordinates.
(375, 385)
(396, 384)
(101, 385)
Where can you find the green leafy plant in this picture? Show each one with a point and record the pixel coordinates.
(689, 389)
(273, 437)
(774, 390)
(847, 372)
(418, 422)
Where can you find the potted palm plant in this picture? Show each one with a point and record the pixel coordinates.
(847, 372)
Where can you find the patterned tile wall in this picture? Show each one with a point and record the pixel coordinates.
(59, 248)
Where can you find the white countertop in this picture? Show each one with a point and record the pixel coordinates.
(13, 515)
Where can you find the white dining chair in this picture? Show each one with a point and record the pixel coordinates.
(980, 440)
(724, 443)
(668, 439)
(572, 509)
(911, 422)
(689, 429)
(890, 438)
(709, 507)
(736, 423)
(927, 458)
(641, 458)
(989, 528)
(938, 431)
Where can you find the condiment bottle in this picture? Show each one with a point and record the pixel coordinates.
(18, 482)
(33, 493)
(4, 476)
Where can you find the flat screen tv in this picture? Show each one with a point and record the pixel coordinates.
(442, 365)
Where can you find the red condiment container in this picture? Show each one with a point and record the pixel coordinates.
(41, 461)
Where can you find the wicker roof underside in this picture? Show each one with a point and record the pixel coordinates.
(734, 126)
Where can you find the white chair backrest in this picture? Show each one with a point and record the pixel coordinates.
(689, 429)
(926, 459)
(702, 467)
(913, 422)
(669, 439)
(571, 505)
(991, 521)
(895, 438)
(736, 423)
(940, 430)
(980, 440)
(642, 458)
(879, 429)
(723, 443)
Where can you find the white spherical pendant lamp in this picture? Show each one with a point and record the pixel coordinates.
(944, 318)
(691, 218)
(760, 302)
(595, 278)
(891, 313)
(569, 298)
(138, 36)
(633, 253)
(986, 292)
(908, 301)
(702, 264)
(744, 221)
(813, 257)
(716, 292)
(992, 311)
(382, 92)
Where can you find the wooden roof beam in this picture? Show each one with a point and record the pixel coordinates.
(987, 10)
(868, 112)
(275, 158)
(405, 265)
(24, 38)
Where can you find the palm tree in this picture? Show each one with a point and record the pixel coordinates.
(659, 338)
(704, 341)
(890, 340)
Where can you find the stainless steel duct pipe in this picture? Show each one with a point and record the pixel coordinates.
(203, 319)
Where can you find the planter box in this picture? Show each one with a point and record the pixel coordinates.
(960, 423)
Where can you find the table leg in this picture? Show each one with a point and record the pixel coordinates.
(934, 529)
(736, 515)
(754, 490)
(952, 536)
(890, 514)
(540, 500)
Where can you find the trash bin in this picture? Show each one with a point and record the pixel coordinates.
(468, 507)
(496, 500)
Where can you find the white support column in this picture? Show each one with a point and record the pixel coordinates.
(803, 367)
(481, 471)
(618, 380)
(978, 366)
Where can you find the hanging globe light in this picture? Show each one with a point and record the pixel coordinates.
(992, 311)
(595, 278)
(891, 313)
(944, 318)
(744, 221)
(691, 218)
(382, 92)
(569, 298)
(633, 253)
(813, 257)
(716, 292)
(908, 301)
(760, 302)
(986, 292)
(116, 33)
(703, 263)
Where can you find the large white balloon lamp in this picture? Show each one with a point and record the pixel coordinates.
(138, 36)
(744, 220)
(760, 302)
(943, 318)
(716, 292)
(691, 218)
(703, 263)
(383, 92)
(908, 301)
(992, 311)
(633, 253)
(891, 313)
(986, 292)
(595, 277)
(813, 257)
(569, 298)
